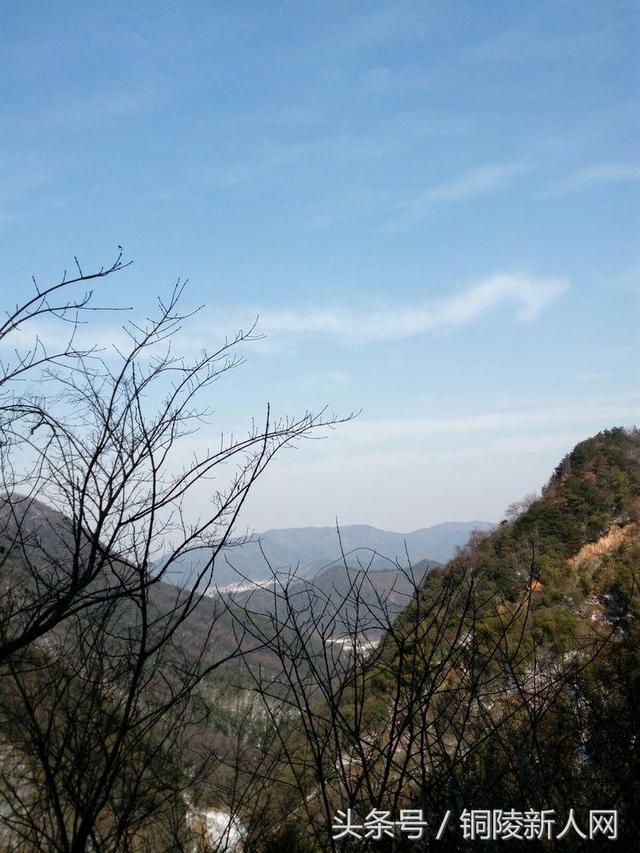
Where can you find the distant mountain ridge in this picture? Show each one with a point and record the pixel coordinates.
(311, 549)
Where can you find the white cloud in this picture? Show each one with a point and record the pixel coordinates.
(479, 181)
(473, 183)
(526, 295)
(401, 474)
(55, 335)
(414, 432)
(599, 175)
(85, 110)
(389, 81)
(263, 161)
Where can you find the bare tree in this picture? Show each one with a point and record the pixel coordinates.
(30, 608)
(458, 705)
(105, 661)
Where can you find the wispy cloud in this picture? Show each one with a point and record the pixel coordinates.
(390, 81)
(84, 110)
(103, 106)
(526, 295)
(595, 176)
(324, 152)
(473, 183)
(404, 432)
(479, 181)
(52, 335)
(386, 463)
(397, 21)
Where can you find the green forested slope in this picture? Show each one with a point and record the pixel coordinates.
(538, 702)
(510, 681)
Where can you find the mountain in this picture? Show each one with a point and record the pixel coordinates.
(511, 680)
(309, 550)
(508, 678)
(380, 593)
(537, 683)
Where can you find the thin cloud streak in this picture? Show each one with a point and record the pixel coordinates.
(527, 296)
(383, 433)
(479, 181)
(595, 176)
(81, 111)
(482, 180)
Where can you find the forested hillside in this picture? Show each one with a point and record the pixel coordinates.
(507, 679)
(510, 682)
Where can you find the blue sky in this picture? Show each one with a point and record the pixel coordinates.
(434, 207)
